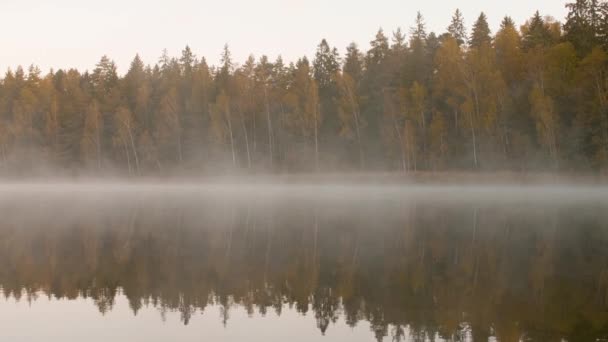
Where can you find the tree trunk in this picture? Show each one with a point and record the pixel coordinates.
(396, 126)
(472, 126)
(246, 140)
(316, 139)
(603, 114)
(269, 125)
(179, 145)
(125, 146)
(315, 237)
(254, 133)
(474, 139)
(231, 135)
(98, 143)
(354, 106)
(267, 256)
(134, 150)
(2, 150)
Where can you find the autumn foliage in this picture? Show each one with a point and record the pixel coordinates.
(526, 98)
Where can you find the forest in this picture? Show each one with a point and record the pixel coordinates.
(530, 97)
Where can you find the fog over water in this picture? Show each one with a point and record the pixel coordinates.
(313, 261)
(306, 189)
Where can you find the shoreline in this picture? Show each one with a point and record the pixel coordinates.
(353, 178)
(506, 178)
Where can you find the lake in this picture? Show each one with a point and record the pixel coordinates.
(305, 262)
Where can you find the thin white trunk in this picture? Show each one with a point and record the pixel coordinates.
(231, 135)
(125, 146)
(474, 138)
(472, 126)
(603, 113)
(269, 125)
(98, 143)
(179, 143)
(2, 150)
(355, 110)
(246, 141)
(134, 150)
(316, 138)
(423, 133)
(401, 142)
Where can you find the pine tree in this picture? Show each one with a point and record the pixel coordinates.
(481, 32)
(325, 64)
(104, 77)
(583, 24)
(417, 63)
(188, 60)
(536, 34)
(399, 44)
(378, 51)
(418, 32)
(508, 53)
(353, 63)
(133, 80)
(457, 28)
(264, 78)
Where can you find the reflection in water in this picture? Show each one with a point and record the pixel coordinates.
(410, 269)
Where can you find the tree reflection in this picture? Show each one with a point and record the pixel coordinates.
(412, 270)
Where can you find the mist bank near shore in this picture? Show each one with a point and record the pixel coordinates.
(273, 192)
(481, 178)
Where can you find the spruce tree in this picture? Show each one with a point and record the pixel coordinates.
(481, 32)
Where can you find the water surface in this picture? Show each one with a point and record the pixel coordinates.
(271, 262)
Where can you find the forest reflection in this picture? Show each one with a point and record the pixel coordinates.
(413, 269)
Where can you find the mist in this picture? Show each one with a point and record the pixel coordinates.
(445, 185)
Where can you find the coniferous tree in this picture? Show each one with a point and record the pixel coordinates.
(583, 24)
(536, 33)
(353, 63)
(325, 65)
(480, 34)
(457, 28)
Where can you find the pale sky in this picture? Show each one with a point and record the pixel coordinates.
(76, 33)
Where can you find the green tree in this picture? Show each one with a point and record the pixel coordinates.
(480, 34)
(325, 65)
(457, 28)
(584, 23)
(536, 33)
(353, 63)
(594, 111)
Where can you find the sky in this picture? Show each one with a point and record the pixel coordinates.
(76, 33)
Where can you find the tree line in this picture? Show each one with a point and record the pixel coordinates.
(533, 97)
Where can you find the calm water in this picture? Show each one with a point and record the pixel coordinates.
(302, 263)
